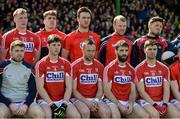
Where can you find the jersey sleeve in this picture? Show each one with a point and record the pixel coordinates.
(40, 69)
(107, 74)
(68, 67)
(37, 42)
(166, 74)
(67, 43)
(138, 74)
(74, 71)
(101, 68)
(173, 74)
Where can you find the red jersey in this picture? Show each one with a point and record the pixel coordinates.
(54, 74)
(153, 78)
(108, 47)
(44, 36)
(121, 78)
(74, 40)
(87, 76)
(175, 74)
(31, 41)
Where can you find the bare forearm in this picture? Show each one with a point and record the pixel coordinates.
(166, 92)
(67, 94)
(100, 90)
(44, 95)
(79, 96)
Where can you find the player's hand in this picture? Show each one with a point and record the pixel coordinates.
(164, 109)
(14, 108)
(130, 109)
(122, 108)
(54, 109)
(92, 106)
(158, 108)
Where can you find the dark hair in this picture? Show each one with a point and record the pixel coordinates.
(83, 9)
(120, 44)
(53, 38)
(16, 43)
(50, 12)
(90, 41)
(149, 43)
(155, 19)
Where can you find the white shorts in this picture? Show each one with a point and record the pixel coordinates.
(143, 103)
(174, 101)
(74, 100)
(19, 104)
(124, 103)
(57, 103)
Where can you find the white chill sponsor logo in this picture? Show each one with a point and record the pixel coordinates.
(154, 81)
(88, 78)
(29, 46)
(55, 76)
(122, 79)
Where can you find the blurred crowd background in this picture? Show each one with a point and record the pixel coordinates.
(137, 13)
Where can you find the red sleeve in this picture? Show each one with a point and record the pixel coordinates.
(166, 73)
(67, 42)
(40, 69)
(173, 74)
(74, 71)
(108, 74)
(101, 68)
(133, 75)
(139, 74)
(37, 42)
(97, 41)
(6, 40)
(68, 67)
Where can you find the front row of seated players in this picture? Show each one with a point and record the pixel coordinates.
(55, 85)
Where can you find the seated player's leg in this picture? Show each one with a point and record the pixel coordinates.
(72, 112)
(81, 107)
(153, 113)
(35, 111)
(104, 110)
(115, 113)
(4, 111)
(138, 112)
(172, 111)
(45, 107)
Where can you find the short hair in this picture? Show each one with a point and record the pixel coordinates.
(89, 41)
(83, 9)
(16, 43)
(149, 43)
(121, 43)
(155, 19)
(50, 12)
(19, 11)
(119, 17)
(53, 38)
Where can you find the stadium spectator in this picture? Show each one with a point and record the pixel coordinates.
(20, 32)
(119, 87)
(175, 43)
(17, 86)
(87, 75)
(153, 84)
(155, 26)
(54, 82)
(50, 22)
(107, 48)
(0, 46)
(74, 40)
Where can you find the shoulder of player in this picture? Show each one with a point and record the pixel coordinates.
(98, 63)
(4, 63)
(76, 62)
(140, 65)
(160, 64)
(8, 33)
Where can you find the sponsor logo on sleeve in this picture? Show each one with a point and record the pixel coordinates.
(88, 78)
(55, 76)
(153, 81)
(122, 79)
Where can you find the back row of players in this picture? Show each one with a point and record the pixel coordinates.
(52, 73)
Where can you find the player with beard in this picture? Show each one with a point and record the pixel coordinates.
(119, 87)
(107, 49)
(74, 40)
(153, 84)
(17, 86)
(87, 75)
(155, 26)
(50, 22)
(31, 40)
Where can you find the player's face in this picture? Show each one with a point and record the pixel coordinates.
(84, 19)
(54, 48)
(50, 21)
(17, 54)
(151, 52)
(21, 21)
(89, 52)
(120, 27)
(122, 53)
(155, 28)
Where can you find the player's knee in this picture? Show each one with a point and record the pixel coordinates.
(38, 113)
(85, 113)
(115, 115)
(154, 114)
(144, 115)
(74, 114)
(105, 113)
